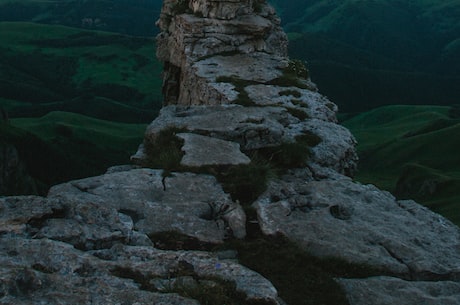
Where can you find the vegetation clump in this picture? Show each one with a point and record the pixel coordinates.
(257, 5)
(294, 75)
(180, 7)
(165, 150)
(243, 97)
(299, 277)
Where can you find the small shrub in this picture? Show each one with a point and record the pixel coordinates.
(257, 5)
(293, 76)
(165, 152)
(297, 67)
(246, 183)
(180, 7)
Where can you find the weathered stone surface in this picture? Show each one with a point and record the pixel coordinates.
(259, 127)
(152, 264)
(251, 127)
(115, 207)
(201, 151)
(230, 27)
(362, 224)
(390, 291)
(336, 149)
(17, 214)
(223, 9)
(43, 271)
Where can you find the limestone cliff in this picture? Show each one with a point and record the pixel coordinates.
(243, 128)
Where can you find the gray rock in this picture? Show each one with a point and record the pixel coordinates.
(21, 214)
(201, 151)
(43, 271)
(153, 263)
(99, 208)
(362, 224)
(389, 291)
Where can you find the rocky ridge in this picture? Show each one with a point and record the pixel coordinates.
(236, 108)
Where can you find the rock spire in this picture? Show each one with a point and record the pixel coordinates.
(242, 129)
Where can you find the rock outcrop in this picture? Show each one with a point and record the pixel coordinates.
(239, 118)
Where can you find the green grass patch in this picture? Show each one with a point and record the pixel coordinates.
(65, 146)
(410, 151)
(52, 66)
(239, 84)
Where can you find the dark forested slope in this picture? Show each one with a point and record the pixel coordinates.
(368, 53)
(133, 17)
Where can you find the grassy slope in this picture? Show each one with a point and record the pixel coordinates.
(411, 151)
(63, 146)
(365, 54)
(104, 75)
(132, 17)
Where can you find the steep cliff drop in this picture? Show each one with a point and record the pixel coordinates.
(243, 143)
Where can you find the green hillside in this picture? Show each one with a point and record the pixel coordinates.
(63, 146)
(46, 68)
(412, 151)
(132, 17)
(365, 54)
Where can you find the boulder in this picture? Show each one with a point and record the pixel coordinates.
(388, 291)
(124, 205)
(44, 271)
(202, 151)
(364, 225)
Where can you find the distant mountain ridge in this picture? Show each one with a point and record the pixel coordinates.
(362, 53)
(133, 17)
(365, 53)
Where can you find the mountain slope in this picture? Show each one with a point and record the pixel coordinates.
(108, 76)
(133, 17)
(62, 146)
(412, 151)
(369, 53)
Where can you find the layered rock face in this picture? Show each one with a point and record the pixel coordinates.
(238, 114)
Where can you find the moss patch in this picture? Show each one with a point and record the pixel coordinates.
(300, 278)
(243, 97)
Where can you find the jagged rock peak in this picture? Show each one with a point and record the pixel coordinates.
(195, 30)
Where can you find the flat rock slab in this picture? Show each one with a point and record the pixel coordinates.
(390, 291)
(362, 224)
(44, 271)
(131, 204)
(201, 151)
